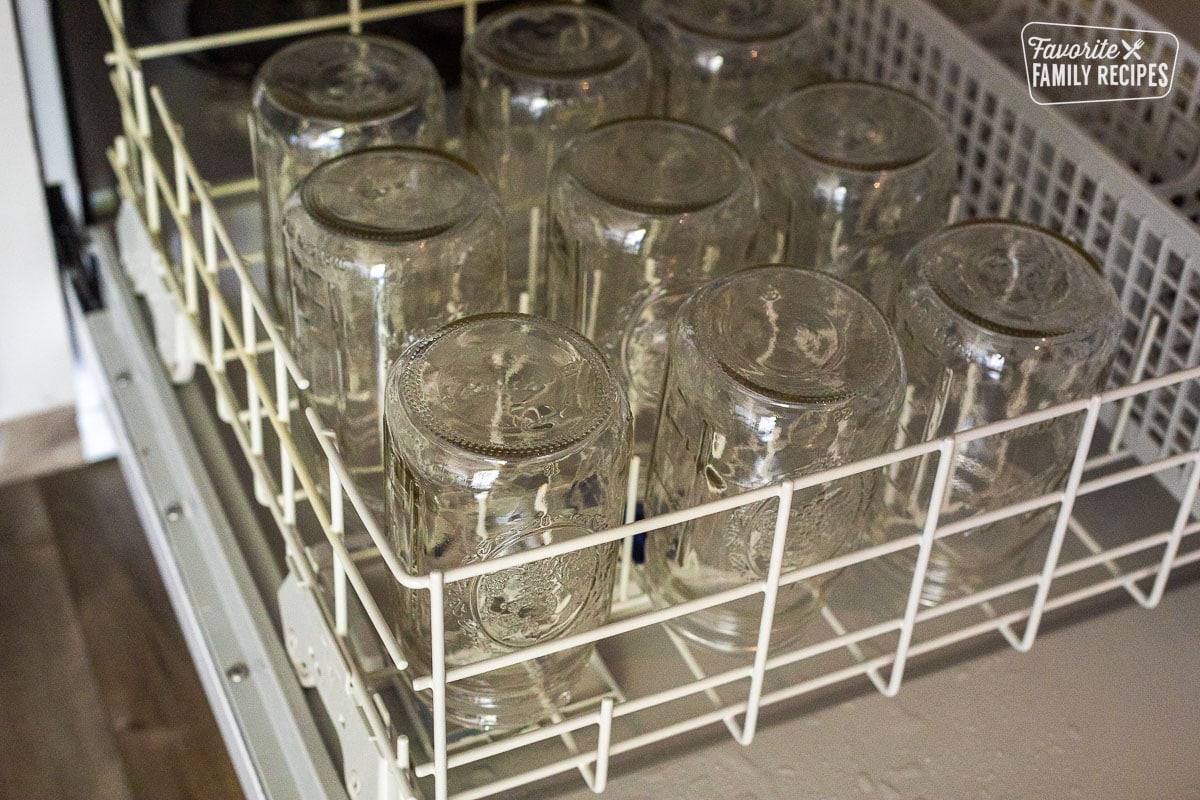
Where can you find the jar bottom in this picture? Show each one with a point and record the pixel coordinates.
(514, 697)
(950, 575)
(733, 627)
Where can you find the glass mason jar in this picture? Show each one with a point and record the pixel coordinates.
(851, 175)
(383, 245)
(506, 432)
(996, 319)
(641, 213)
(328, 95)
(535, 77)
(773, 373)
(717, 63)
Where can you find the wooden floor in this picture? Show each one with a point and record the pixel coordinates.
(98, 697)
(38, 445)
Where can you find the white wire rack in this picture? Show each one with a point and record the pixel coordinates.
(1159, 140)
(1016, 158)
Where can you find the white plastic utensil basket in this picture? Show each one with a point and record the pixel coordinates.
(1158, 139)
(1017, 159)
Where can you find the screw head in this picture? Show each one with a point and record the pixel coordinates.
(123, 378)
(237, 673)
(173, 512)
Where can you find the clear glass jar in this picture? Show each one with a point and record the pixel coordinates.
(329, 95)
(506, 432)
(717, 63)
(383, 246)
(851, 175)
(773, 372)
(641, 213)
(535, 77)
(996, 319)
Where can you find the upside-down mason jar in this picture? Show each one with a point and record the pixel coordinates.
(996, 319)
(717, 63)
(773, 373)
(325, 96)
(535, 77)
(851, 175)
(641, 213)
(383, 245)
(506, 433)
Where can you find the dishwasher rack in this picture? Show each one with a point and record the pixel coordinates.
(1138, 443)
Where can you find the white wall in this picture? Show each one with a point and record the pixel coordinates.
(35, 357)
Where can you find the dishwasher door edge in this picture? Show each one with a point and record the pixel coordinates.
(264, 718)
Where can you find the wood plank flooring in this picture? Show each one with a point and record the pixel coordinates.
(98, 696)
(39, 445)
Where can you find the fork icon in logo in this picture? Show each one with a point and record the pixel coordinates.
(1131, 50)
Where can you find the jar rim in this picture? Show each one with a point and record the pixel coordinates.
(1085, 326)
(409, 399)
(401, 55)
(623, 196)
(670, 11)
(935, 147)
(629, 48)
(468, 177)
(875, 364)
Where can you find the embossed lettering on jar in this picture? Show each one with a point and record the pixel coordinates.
(717, 63)
(851, 175)
(506, 433)
(534, 78)
(996, 319)
(325, 96)
(384, 246)
(643, 212)
(772, 373)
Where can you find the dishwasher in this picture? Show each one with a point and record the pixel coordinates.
(281, 587)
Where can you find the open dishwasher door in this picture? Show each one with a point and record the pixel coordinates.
(209, 546)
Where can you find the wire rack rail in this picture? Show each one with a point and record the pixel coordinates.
(1016, 159)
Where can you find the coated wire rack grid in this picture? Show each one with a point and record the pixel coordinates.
(1016, 159)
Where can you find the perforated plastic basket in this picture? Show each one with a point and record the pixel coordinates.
(1058, 178)
(1158, 139)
